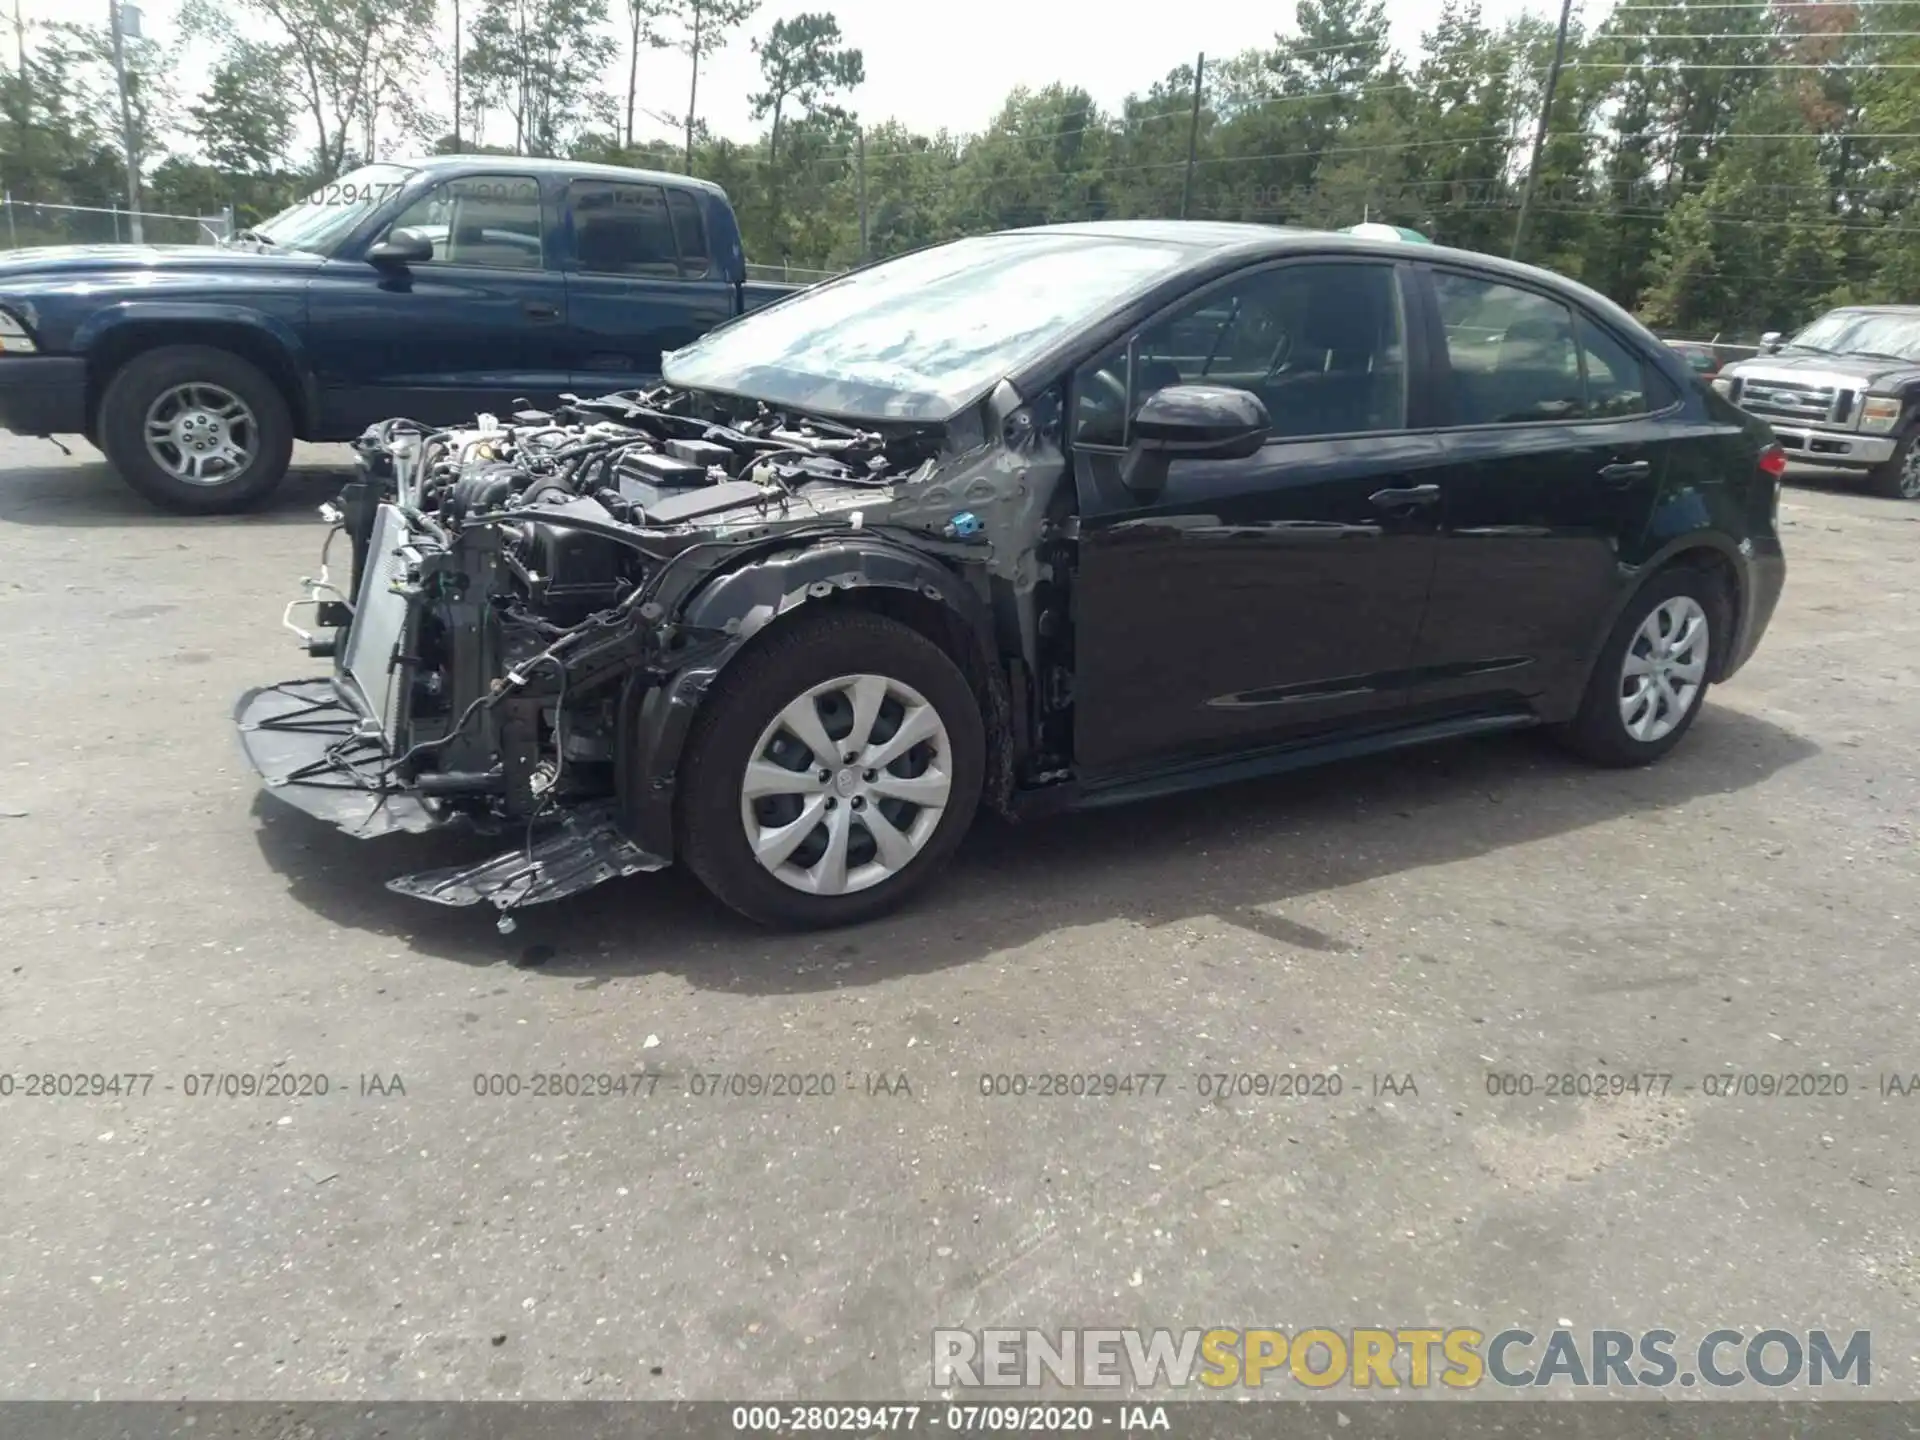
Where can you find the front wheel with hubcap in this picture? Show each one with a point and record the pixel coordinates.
(195, 429)
(835, 767)
(1899, 478)
(1652, 674)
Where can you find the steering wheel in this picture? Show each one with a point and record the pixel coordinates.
(1113, 390)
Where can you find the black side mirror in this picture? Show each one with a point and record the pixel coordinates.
(402, 247)
(1208, 422)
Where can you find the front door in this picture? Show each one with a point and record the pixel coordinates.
(479, 325)
(1268, 600)
(1553, 462)
(640, 282)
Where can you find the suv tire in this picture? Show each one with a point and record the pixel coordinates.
(186, 410)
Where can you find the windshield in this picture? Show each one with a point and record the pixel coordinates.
(1860, 332)
(919, 337)
(328, 215)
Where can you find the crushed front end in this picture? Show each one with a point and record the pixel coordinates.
(513, 605)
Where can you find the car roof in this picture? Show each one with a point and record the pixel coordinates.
(572, 169)
(1250, 241)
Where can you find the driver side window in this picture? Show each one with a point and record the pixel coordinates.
(1321, 344)
(486, 220)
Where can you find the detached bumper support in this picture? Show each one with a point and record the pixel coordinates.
(319, 754)
(583, 848)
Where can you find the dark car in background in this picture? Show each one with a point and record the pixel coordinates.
(431, 288)
(1053, 518)
(1842, 395)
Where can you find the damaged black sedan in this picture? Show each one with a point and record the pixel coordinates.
(1054, 518)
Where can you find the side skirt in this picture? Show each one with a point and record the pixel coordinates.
(1266, 762)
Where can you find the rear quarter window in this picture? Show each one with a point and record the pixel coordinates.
(690, 233)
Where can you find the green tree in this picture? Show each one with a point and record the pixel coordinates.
(1757, 247)
(337, 52)
(541, 59)
(243, 120)
(802, 61)
(643, 28)
(704, 27)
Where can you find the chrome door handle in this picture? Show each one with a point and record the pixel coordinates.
(1398, 499)
(1621, 471)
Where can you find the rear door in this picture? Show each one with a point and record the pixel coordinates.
(1553, 460)
(1268, 600)
(475, 327)
(641, 281)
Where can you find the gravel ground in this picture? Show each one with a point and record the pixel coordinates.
(1748, 906)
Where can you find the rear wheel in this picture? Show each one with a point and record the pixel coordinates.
(195, 429)
(1899, 478)
(835, 768)
(1651, 678)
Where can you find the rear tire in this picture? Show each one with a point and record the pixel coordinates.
(1651, 677)
(1899, 478)
(186, 410)
(780, 844)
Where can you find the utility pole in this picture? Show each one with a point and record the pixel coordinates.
(1540, 130)
(20, 41)
(126, 119)
(693, 90)
(860, 163)
(1193, 134)
(456, 76)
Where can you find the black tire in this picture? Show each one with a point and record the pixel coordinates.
(1899, 478)
(144, 379)
(778, 668)
(1599, 732)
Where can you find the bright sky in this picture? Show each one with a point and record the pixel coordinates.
(925, 75)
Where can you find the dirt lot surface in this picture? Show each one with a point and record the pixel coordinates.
(1492, 908)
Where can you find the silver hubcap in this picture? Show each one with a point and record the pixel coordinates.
(1665, 667)
(1910, 475)
(847, 785)
(202, 434)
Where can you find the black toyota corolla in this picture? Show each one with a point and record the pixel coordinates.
(1054, 518)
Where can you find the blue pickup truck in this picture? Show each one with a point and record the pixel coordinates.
(431, 289)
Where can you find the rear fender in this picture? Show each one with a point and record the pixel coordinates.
(724, 616)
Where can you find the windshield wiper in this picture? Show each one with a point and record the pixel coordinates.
(1816, 349)
(1883, 355)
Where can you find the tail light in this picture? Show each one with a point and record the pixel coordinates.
(1773, 464)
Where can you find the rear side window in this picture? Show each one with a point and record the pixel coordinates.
(1511, 353)
(690, 232)
(622, 229)
(1616, 376)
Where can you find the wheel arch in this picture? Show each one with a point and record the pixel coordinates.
(1706, 551)
(767, 596)
(118, 337)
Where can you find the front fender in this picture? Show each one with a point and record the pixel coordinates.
(728, 611)
(198, 322)
(122, 313)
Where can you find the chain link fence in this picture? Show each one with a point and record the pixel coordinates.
(790, 274)
(25, 223)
